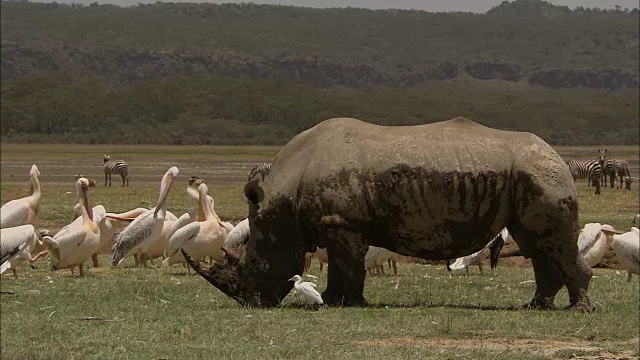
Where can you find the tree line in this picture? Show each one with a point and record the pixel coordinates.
(258, 74)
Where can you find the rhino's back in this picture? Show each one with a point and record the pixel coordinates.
(453, 145)
(428, 186)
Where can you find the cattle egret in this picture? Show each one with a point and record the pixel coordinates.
(307, 290)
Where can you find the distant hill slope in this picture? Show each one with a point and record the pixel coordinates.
(258, 74)
(350, 47)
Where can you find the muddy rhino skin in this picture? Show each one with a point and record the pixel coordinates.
(436, 191)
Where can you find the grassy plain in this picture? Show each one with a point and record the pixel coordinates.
(135, 313)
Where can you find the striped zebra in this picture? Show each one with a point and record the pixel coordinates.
(263, 169)
(586, 169)
(614, 169)
(602, 158)
(115, 167)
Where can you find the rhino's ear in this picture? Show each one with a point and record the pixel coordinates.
(253, 192)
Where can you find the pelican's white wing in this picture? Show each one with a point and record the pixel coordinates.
(588, 237)
(180, 238)
(13, 244)
(182, 221)
(13, 237)
(133, 235)
(239, 235)
(99, 214)
(627, 246)
(14, 213)
(473, 259)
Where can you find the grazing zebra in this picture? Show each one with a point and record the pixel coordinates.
(586, 169)
(627, 182)
(115, 167)
(195, 181)
(262, 169)
(614, 169)
(622, 170)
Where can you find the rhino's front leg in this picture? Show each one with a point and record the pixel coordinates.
(346, 272)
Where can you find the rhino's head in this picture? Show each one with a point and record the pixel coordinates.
(275, 252)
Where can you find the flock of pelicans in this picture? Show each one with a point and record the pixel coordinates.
(147, 234)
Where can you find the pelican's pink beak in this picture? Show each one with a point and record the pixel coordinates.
(87, 199)
(165, 186)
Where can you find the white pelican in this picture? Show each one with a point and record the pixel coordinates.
(307, 290)
(18, 244)
(199, 238)
(137, 237)
(239, 235)
(109, 225)
(494, 246)
(594, 241)
(156, 249)
(376, 257)
(24, 210)
(78, 241)
(627, 249)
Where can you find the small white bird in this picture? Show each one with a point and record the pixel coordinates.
(307, 290)
(627, 249)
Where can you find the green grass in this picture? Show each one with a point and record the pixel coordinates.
(165, 314)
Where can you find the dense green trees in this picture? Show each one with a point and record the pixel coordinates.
(245, 73)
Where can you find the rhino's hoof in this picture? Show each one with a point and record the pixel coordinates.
(343, 300)
(584, 306)
(540, 304)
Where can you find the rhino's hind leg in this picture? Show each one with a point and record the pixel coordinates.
(346, 272)
(546, 230)
(549, 281)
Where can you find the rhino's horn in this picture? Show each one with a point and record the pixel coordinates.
(225, 279)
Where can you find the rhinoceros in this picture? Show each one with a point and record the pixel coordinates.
(436, 191)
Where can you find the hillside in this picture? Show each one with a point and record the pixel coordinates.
(274, 70)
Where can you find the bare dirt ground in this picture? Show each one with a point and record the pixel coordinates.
(554, 349)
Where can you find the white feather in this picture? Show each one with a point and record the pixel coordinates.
(239, 235)
(627, 249)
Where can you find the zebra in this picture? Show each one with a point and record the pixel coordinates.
(602, 158)
(115, 167)
(263, 169)
(615, 168)
(586, 169)
(609, 171)
(627, 182)
(622, 170)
